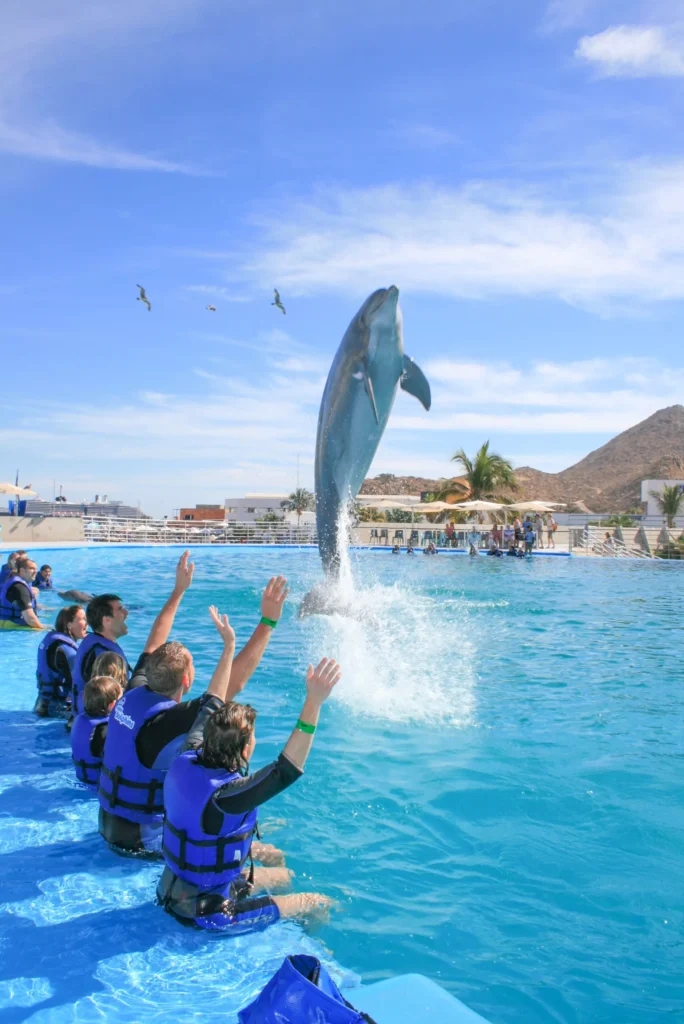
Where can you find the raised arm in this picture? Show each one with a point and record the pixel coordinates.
(319, 685)
(220, 681)
(251, 654)
(161, 627)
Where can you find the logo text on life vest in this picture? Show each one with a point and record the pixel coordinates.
(121, 717)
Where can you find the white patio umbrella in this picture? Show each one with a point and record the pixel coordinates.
(18, 492)
(478, 506)
(535, 506)
(385, 503)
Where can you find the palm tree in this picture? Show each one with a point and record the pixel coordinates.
(299, 501)
(485, 474)
(670, 501)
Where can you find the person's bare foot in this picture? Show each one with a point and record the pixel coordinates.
(310, 905)
(268, 855)
(272, 878)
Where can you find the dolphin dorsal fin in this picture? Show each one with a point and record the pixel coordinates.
(415, 383)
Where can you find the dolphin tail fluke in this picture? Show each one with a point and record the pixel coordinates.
(415, 383)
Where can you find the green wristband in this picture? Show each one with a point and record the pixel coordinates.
(305, 727)
(268, 622)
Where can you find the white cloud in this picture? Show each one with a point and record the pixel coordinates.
(423, 136)
(50, 142)
(633, 51)
(564, 14)
(246, 435)
(217, 291)
(618, 244)
(40, 44)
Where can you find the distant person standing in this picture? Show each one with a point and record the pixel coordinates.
(539, 530)
(450, 535)
(518, 532)
(551, 527)
(530, 537)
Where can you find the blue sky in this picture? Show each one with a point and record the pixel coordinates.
(515, 167)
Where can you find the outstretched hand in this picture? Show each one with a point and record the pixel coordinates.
(184, 572)
(223, 626)
(274, 598)
(321, 680)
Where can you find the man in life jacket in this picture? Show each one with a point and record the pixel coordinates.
(107, 616)
(43, 580)
(90, 729)
(149, 726)
(56, 658)
(211, 815)
(17, 600)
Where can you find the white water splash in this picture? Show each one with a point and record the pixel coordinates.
(396, 648)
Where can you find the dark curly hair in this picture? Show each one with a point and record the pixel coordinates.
(226, 735)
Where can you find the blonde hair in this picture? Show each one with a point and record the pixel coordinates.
(166, 667)
(111, 664)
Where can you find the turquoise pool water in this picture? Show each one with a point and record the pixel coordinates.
(494, 797)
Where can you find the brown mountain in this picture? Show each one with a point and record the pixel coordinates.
(607, 480)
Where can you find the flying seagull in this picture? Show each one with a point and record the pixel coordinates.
(143, 298)
(212, 309)
(277, 302)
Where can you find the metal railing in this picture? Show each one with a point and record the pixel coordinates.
(591, 540)
(111, 530)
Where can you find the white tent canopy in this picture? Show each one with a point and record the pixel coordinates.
(478, 506)
(535, 506)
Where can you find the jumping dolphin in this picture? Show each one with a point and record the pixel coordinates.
(355, 407)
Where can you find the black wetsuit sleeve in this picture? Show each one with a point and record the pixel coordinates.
(19, 596)
(167, 726)
(138, 676)
(61, 664)
(97, 740)
(196, 732)
(245, 794)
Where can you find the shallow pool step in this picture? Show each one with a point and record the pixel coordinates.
(411, 998)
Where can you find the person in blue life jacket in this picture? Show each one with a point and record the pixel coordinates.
(530, 537)
(56, 657)
(211, 805)
(107, 616)
(149, 725)
(90, 728)
(8, 568)
(43, 580)
(17, 599)
(514, 552)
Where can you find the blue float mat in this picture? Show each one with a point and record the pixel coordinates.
(410, 998)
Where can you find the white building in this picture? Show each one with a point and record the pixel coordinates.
(255, 506)
(656, 485)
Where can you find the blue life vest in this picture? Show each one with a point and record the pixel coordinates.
(302, 992)
(127, 788)
(91, 640)
(5, 571)
(8, 611)
(42, 583)
(87, 767)
(51, 684)
(205, 860)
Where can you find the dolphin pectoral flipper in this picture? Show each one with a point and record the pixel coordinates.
(371, 394)
(415, 383)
